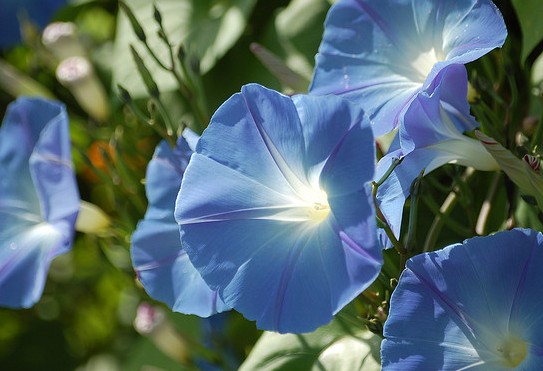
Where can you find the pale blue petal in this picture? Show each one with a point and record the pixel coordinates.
(439, 113)
(525, 271)
(26, 250)
(235, 196)
(51, 168)
(431, 136)
(351, 162)
(161, 264)
(272, 138)
(316, 115)
(39, 200)
(244, 214)
(163, 179)
(467, 297)
(381, 53)
(166, 272)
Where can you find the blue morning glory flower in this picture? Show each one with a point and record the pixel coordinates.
(381, 53)
(160, 262)
(275, 207)
(431, 136)
(39, 200)
(475, 306)
(37, 11)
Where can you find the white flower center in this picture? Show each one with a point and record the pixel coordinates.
(424, 63)
(318, 208)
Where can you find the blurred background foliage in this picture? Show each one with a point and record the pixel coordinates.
(85, 319)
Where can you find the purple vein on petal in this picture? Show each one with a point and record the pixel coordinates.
(479, 280)
(378, 21)
(4, 267)
(292, 260)
(404, 105)
(159, 263)
(348, 241)
(295, 183)
(323, 266)
(521, 280)
(463, 317)
(356, 247)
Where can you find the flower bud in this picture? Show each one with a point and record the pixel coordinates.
(61, 39)
(77, 75)
(152, 322)
(91, 219)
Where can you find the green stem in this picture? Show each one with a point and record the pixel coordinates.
(445, 209)
(160, 131)
(486, 207)
(447, 220)
(186, 92)
(538, 135)
(390, 234)
(395, 162)
(413, 211)
(165, 116)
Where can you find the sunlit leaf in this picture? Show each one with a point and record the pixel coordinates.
(207, 29)
(529, 14)
(279, 69)
(529, 182)
(537, 71)
(299, 29)
(334, 347)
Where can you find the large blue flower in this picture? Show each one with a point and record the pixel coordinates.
(381, 53)
(475, 306)
(160, 262)
(39, 200)
(38, 11)
(431, 136)
(275, 208)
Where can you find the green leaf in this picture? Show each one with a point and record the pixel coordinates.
(526, 216)
(299, 28)
(295, 35)
(279, 69)
(529, 13)
(528, 181)
(206, 28)
(334, 347)
(16, 83)
(537, 71)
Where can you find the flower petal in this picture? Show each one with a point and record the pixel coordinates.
(453, 308)
(166, 272)
(26, 250)
(439, 113)
(245, 207)
(162, 265)
(39, 200)
(430, 137)
(381, 53)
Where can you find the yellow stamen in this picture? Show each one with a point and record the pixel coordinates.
(513, 350)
